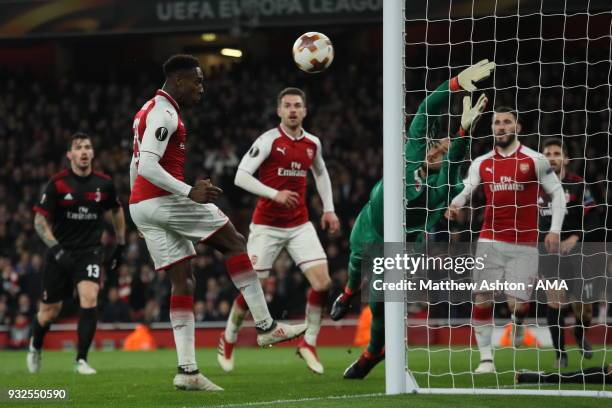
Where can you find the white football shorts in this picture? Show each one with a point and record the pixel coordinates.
(171, 224)
(506, 262)
(265, 244)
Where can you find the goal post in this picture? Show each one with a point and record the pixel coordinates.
(393, 174)
(554, 67)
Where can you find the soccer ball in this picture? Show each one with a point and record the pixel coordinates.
(313, 52)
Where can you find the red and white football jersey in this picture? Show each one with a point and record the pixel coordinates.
(282, 163)
(512, 186)
(158, 129)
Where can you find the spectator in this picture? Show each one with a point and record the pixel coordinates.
(24, 305)
(151, 311)
(19, 335)
(115, 310)
(5, 318)
(199, 309)
(124, 283)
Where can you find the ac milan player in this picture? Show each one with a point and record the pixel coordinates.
(511, 176)
(571, 266)
(283, 156)
(69, 219)
(172, 215)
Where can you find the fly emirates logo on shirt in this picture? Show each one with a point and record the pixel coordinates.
(83, 214)
(295, 171)
(506, 184)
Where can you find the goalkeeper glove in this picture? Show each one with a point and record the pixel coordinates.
(341, 305)
(471, 114)
(477, 72)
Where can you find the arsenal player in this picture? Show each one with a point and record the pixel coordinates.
(282, 157)
(511, 176)
(69, 219)
(172, 215)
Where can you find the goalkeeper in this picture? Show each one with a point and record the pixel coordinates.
(432, 179)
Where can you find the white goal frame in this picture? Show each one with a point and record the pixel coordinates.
(398, 379)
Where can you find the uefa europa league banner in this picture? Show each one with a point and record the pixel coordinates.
(53, 18)
(19, 19)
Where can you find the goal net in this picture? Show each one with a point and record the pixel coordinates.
(553, 69)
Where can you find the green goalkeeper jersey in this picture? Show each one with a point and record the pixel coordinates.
(427, 199)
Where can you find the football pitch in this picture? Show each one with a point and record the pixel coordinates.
(273, 377)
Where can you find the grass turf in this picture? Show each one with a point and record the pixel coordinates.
(277, 376)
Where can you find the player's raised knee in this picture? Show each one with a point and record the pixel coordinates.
(322, 285)
(236, 243)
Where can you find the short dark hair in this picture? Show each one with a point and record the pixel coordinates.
(179, 62)
(507, 109)
(78, 136)
(291, 91)
(555, 141)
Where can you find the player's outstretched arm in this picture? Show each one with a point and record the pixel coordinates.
(428, 112)
(469, 119)
(453, 161)
(459, 145)
(472, 74)
(471, 114)
(431, 109)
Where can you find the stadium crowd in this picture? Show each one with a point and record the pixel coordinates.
(37, 118)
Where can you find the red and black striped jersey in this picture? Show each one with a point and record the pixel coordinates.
(579, 201)
(75, 207)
